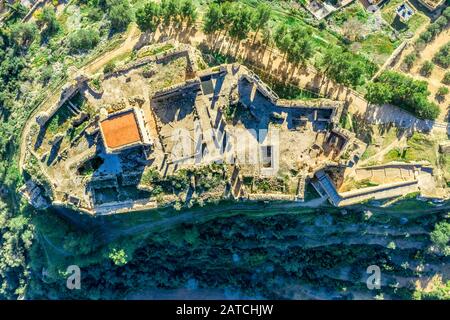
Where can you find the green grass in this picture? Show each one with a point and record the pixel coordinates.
(355, 10)
(419, 147)
(370, 152)
(282, 12)
(386, 137)
(290, 92)
(352, 184)
(154, 51)
(409, 202)
(389, 137)
(395, 154)
(57, 123)
(378, 43)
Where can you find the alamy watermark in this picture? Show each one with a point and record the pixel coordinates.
(374, 280)
(74, 277)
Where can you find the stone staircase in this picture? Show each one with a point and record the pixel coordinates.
(73, 108)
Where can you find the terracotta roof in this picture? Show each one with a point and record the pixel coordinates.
(120, 130)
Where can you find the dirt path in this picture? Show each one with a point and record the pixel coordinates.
(401, 142)
(127, 46)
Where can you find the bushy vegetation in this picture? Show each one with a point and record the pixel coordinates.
(120, 13)
(435, 28)
(236, 19)
(47, 22)
(278, 245)
(446, 79)
(409, 60)
(16, 239)
(404, 92)
(84, 39)
(442, 57)
(439, 292)
(150, 15)
(427, 68)
(294, 42)
(109, 67)
(442, 91)
(441, 237)
(28, 53)
(343, 67)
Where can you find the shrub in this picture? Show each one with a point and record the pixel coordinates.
(84, 39)
(442, 91)
(148, 16)
(446, 79)
(46, 19)
(23, 34)
(441, 236)
(442, 57)
(427, 68)
(119, 13)
(109, 67)
(118, 257)
(435, 28)
(409, 60)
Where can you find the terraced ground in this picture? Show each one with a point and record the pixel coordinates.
(275, 252)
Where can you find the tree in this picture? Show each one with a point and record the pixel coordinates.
(119, 13)
(294, 53)
(301, 47)
(17, 11)
(188, 12)
(442, 91)
(148, 17)
(109, 67)
(442, 57)
(213, 19)
(427, 68)
(441, 237)
(409, 60)
(403, 91)
(261, 18)
(343, 67)
(285, 43)
(84, 39)
(24, 33)
(229, 13)
(280, 32)
(267, 36)
(446, 79)
(118, 257)
(170, 11)
(379, 93)
(46, 20)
